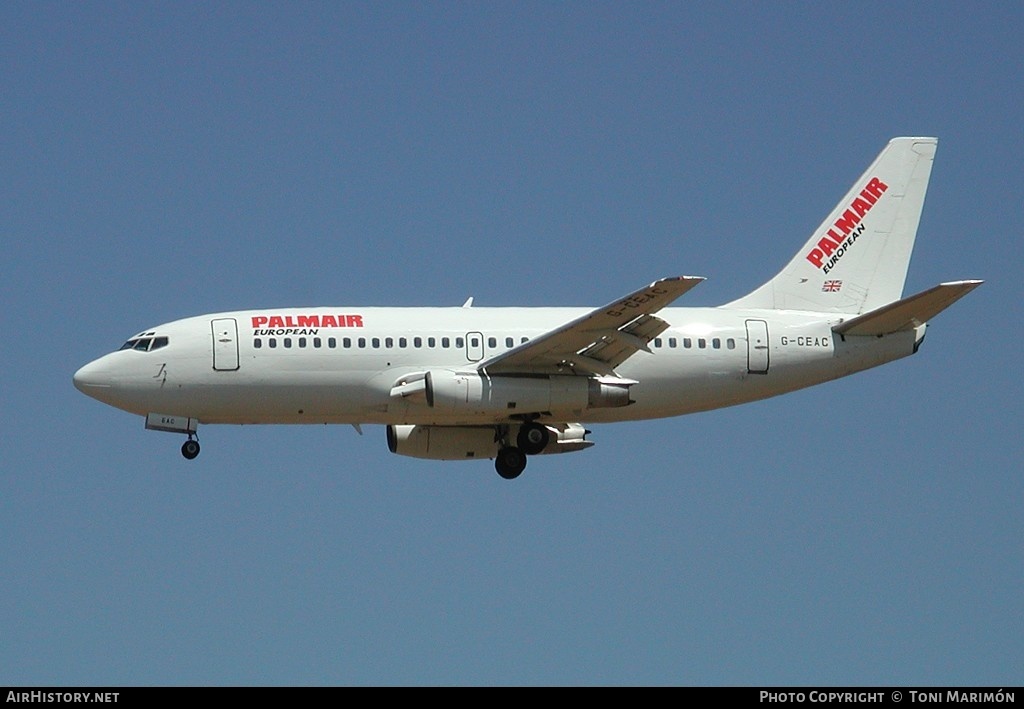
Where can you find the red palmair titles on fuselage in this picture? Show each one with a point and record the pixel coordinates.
(272, 321)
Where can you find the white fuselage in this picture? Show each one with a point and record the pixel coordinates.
(284, 366)
(507, 383)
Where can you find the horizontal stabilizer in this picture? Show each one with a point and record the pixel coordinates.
(908, 313)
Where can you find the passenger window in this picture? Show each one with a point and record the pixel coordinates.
(730, 343)
(687, 343)
(362, 342)
(460, 342)
(702, 343)
(716, 343)
(417, 342)
(257, 343)
(524, 339)
(346, 342)
(332, 342)
(492, 342)
(402, 342)
(509, 342)
(431, 342)
(389, 342)
(672, 342)
(272, 342)
(376, 343)
(657, 342)
(287, 342)
(317, 342)
(302, 342)
(445, 342)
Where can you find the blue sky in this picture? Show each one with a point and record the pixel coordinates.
(162, 160)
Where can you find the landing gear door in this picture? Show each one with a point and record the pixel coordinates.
(757, 347)
(225, 344)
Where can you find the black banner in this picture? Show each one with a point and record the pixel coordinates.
(833, 696)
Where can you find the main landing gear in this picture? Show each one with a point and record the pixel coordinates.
(190, 448)
(511, 460)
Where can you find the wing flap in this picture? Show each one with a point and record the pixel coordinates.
(616, 347)
(599, 341)
(908, 313)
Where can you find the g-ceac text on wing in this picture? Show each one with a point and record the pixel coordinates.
(599, 341)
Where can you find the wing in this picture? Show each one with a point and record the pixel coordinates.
(599, 341)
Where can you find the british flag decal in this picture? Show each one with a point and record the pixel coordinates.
(831, 286)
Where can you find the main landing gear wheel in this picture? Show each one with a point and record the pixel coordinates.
(510, 462)
(190, 448)
(533, 438)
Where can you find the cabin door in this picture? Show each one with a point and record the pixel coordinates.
(474, 346)
(757, 347)
(225, 344)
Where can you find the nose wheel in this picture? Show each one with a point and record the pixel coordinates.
(190, 448)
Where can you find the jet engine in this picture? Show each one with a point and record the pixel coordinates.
(476, 392)
(470, 442)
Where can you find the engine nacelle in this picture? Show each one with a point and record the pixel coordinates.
(471, 442)
(607, 393)
(452, 391)
(443, 442)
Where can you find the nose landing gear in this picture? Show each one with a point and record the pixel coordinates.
(190, 448)
(177, 424)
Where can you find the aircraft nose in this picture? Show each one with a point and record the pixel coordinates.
(91, 379)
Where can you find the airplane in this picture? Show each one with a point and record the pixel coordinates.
(508, 383)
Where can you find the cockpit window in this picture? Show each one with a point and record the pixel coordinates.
(145, 344)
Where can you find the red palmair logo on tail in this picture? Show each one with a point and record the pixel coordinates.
(847, 228)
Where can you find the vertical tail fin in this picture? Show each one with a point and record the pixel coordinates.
(857, 259)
